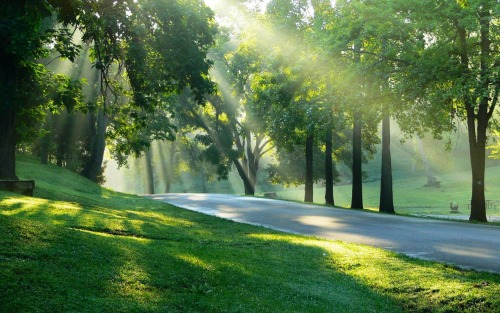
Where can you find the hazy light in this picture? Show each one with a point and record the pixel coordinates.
(212, 3)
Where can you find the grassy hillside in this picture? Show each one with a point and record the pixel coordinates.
(76, 247)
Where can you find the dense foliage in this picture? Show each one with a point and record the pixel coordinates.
(143, 51)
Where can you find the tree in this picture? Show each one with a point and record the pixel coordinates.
(455, 70)
(161, 46)
(341, 29)
(329, 178)
(25, 86)
(386, 195)
(227, 136)
(442, 65)
(289, 170)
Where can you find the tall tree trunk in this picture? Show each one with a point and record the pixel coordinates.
(9, 81)
(149, 179)
(93, 167)
(8, 143)
(309, 193)
(243, 172)
(253, 165)
(329, 167)
(386, 195)
(478, 201)
(477, 150)
(357, 175)
(252, 179)
(477, 136)
(243, 167)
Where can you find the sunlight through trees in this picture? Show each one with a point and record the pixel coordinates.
(293, 93)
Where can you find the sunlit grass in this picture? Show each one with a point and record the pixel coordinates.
(123, 253)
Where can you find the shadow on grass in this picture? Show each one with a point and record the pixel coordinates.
(207, 267)
(416, 285)
(52, 269)
(168, 260)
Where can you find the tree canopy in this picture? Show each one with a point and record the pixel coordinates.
(143, 51)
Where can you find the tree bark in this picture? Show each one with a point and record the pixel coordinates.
(150, 183)
(357, 178)
(249, 165)
(477, 133)
(309, 193)
(478, 201)
(243, 172)
(329, 167)
(8, 143)
(246, 170)
(9, 107)
(477, 150)
(253, 166)
(93, 167)
(386, 195)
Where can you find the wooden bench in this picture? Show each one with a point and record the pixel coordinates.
(24, 187)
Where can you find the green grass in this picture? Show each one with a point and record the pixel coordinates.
(411, 197)
(452, 168)
(75, 247)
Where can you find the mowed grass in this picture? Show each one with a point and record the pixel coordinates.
(412, 197)
(75, 247)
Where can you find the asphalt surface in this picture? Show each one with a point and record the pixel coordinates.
(465, 245)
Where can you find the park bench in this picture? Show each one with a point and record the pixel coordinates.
(490, 204)
(24, 187)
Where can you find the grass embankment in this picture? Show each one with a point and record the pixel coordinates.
(412, 197)
(78, 248)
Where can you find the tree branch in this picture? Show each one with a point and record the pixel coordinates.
(267, 150)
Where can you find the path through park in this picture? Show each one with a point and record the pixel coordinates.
(462, 244)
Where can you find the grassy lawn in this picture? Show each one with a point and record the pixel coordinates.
(411, 197)
(75, 247)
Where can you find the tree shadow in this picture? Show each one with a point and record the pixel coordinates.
(71, 257)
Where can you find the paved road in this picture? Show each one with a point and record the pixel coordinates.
(465, 245)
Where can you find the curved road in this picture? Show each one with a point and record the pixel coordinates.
(462, 244)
